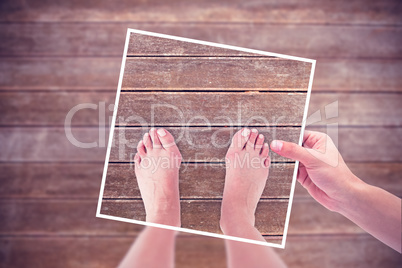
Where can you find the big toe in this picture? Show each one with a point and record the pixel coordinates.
(240, 139)
(166, 138)
(156, 143)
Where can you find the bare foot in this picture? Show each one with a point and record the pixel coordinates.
(247, 166)
(157, 165)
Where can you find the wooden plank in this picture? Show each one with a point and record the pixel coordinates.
(338, 251)
(54, 108)
(310, 41)
(102, 74)
(196, 181)
(77, 217)
(358, 109)
(194, 251)
(57, 217)
(197, 144)
(51, 108)
(215, 72)
(50, 180)
(366, 144)
(82, 180)
(59, 73)
(345, 12)
(51, 145)
(141, 45)
(211, 109)
(204, 215)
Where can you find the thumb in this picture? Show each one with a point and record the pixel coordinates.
(292, 150)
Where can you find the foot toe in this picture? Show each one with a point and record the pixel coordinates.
(240, 138)
(156, 143)
(137, 160)
(147, 141)
(259, 143)
(251, 141)
(166, 138)
(141, 148)
(267, 161)
(265, 150)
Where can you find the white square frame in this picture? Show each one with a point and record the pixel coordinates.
(98, 211)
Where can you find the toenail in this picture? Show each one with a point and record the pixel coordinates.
(260, 136)
(152, 129)
(245, 132)
(254, 130)
(161, 132)
(146, 135)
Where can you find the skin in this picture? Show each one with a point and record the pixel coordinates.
(244, 185)
(327, 178)
(159, 189)
(157, 166)
(322, 172)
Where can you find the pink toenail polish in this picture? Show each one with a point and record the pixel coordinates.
(246, 132)
(161, 132)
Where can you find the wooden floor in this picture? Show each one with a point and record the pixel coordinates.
(57, 55)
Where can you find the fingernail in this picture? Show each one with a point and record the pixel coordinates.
(246, 132)
(161, 132)
(277, 145)
(254, 130)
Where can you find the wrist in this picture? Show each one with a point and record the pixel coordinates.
(351, 197)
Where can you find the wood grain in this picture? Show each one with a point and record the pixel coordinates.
(49, 190)
(51, 108)
(359, 109)
(87, 73)
(338, 251)
(345, 12)
(211, 109)
(215, 72)
(82, 180)
(51, 145)
(347, 251)
(197, 144)
(77, 217)
(59, 73)
(50, 180)
(204, 215)
(310, 41)
(196, 181)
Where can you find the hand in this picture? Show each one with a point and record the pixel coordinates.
(322, 170)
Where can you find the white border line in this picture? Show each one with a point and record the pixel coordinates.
(109, 145)
(99, 215)
(292, 190)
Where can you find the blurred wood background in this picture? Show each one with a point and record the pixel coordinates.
(58, 54)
